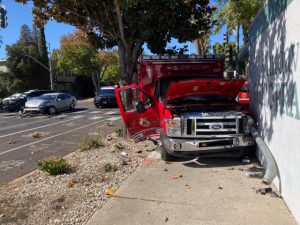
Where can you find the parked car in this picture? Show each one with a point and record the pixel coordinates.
(1, 103)
(17, 101)
(105, 97)
(51, 103)
(244, 96)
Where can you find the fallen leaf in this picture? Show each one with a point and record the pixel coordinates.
(2, 215)
(166, 219)
(177, 176)
(110, 191)
(70, 184)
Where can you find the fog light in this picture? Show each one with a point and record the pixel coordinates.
(177, 146)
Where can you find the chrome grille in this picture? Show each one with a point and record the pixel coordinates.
(212, 125)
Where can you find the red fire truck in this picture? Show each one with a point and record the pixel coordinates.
(187, 102)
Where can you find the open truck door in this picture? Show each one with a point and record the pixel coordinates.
(138, 112)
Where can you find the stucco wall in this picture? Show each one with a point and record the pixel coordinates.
(274, 75)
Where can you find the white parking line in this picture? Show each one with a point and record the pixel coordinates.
(48, 138)
(114, 118)
(94, 112)
(48, 125)
(95, 117)
(110, 112)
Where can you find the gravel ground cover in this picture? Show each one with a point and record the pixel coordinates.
(74, 197)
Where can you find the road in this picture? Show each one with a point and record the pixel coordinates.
(61, 134)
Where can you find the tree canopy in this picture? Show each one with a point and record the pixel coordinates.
(79, 57)
(25, 73)
(233, 13)
(129, 24)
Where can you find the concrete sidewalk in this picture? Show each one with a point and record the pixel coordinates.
(208, 191)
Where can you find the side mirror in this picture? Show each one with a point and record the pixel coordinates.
(140, 108)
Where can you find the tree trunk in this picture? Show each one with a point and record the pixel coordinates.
(95, 78)
(237, 48)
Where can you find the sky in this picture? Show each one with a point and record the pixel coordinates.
(19, 14)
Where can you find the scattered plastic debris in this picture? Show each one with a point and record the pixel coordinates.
(110, 191)
(177, 176)
(148, 161)
(265, 190)
(123, 153)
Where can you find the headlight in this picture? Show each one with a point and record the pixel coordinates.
(43, 104)
(173, 127)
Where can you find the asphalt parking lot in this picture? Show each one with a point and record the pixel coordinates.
(61, 134)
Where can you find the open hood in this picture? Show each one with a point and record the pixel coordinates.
(205, 87)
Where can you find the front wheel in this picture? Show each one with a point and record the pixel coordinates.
(72, 106)
(52, 110)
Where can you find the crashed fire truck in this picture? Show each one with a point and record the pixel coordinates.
(188, 103)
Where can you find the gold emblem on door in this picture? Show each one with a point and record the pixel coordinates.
(144, 122)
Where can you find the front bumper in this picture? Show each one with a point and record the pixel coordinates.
(185, 146)
(35, 110)
(105, 102)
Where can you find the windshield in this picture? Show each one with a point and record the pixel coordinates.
(199, 99)
(15, 96)
(48, 97)
(106, 92)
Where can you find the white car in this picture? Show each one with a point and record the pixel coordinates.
(51, 103)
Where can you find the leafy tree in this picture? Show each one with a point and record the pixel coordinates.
(236, 13)
(129, 24)
(25, 73)
(78, 56)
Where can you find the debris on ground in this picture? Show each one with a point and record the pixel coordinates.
(214, 170)
(220, 187)
(110, 191)
(36, 199)
(148, 161)
(177, 176)
(139, 151)
(123, 153)
(37, 134)
(165, 169)
(255, 174)
(265, 190)
(166, 219)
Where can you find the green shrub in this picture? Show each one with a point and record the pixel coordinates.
(107, 167)
(119, 132)
(119, 146)
(91, 142)
(54, 166)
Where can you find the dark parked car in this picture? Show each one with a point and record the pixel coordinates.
(17, 101)
(105, 97)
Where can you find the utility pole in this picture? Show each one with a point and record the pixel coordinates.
(50, 69)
